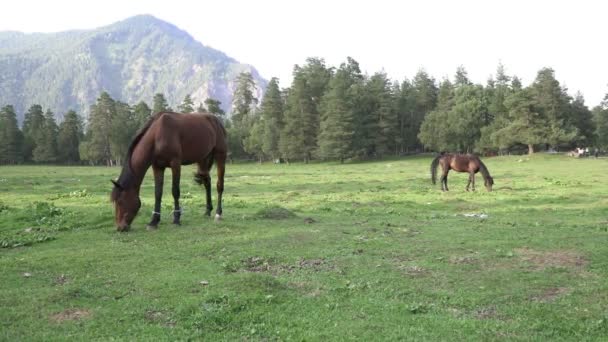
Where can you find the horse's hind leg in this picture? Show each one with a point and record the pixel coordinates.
(444, 180)
(202, 177)
(176, 171)
(159, 175)
(220, 158)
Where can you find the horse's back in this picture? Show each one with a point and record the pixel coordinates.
(190, 137)
(463, 162)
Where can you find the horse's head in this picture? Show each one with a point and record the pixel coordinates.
(489, 182)
(126, 205)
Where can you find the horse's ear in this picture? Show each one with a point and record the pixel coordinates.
(116, 184)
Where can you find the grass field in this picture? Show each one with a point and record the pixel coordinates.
(366, 251)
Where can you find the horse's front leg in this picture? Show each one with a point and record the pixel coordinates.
(473, 180)
(176, 172)
(221, 169)
(159, 175)
(469, 183)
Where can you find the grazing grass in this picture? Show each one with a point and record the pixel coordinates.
(367, 251)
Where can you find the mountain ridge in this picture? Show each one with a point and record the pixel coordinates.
(131, 59)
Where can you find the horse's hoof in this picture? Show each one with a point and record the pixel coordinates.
(208, 213)
(218, 217)
(177, 223)
(151, 227)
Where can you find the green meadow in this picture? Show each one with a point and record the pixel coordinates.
(316, 252)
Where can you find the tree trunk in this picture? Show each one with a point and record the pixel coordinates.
(530, 149)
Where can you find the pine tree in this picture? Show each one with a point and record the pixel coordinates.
(295, 140)
(600, 120)
(99, 132)
(553, 104)
(384, 116)
(141, 113)
(406, 102)
(187, 105)
(425, 101)
(435, 131)
(526, 125)
(160, 104)
(243, 100)
(123, 128)
(466, 117)
(582, 118)
(214, 107)
(201, 108)
(70, 135)
(46, 149)
(33, 130)
(254, 141)
(337, 129)
(462, 77)
(11, 139)
(272, 119)
(244, 103)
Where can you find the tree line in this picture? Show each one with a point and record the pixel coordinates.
(339, 113)
(111, 126)
(335, 113)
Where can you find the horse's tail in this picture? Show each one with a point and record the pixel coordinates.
(434, 165)
(485, 173)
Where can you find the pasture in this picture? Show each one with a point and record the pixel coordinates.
(367, 251)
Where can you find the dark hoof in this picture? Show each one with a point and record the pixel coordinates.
(177, 223)
(152, 227)
(208, 213)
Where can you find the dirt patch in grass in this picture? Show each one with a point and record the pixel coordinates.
(462, 260)
(307, 289)
(62, 279)
(540, 260)
(550, 294)
(261, 264)
(486, 313)
(275, 213)
(309, 220)
(314, 264)
(413, 270)
(159, 317)
(257, 264)
(70, 315)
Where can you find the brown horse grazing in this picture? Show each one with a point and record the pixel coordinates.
(170, 140)
(460, 163)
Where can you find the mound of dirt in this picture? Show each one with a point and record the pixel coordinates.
(70, 315)
(275, 213)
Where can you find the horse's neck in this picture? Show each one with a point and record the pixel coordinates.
(141, 159)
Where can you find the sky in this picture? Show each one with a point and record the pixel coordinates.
(398, 37)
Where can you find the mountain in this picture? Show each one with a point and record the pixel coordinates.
(132, 60)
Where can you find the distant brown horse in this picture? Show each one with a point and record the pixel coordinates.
(170, 140)
(460, 163)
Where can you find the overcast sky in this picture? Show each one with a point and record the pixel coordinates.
(397, 36)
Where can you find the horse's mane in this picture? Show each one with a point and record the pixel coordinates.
(127, 177)
(485, 173)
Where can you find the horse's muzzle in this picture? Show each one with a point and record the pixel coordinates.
(123, 227)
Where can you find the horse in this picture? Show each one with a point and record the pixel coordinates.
(170, 140)
(460, 163)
